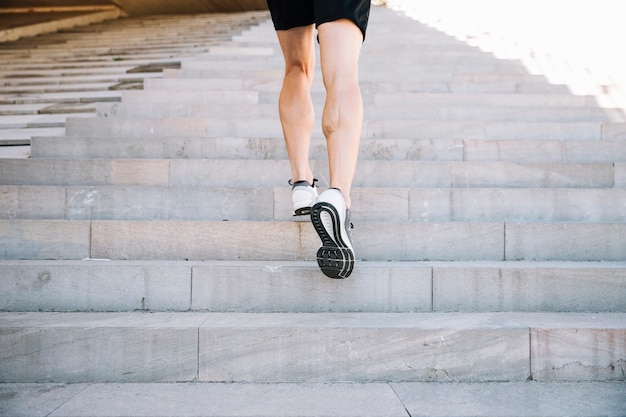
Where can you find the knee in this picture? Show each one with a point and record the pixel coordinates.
(298, 69)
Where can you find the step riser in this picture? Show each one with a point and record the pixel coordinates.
(270, 348)
(453, 113)
(300, 287)
(410, 129)
(267, 204)
(131, 97)
(371, 149)
(445, 64)
(374, 241)
(427, 83)
(274, 173)
(257, 148)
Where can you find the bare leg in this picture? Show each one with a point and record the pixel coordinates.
(295, 105)
(340, 46)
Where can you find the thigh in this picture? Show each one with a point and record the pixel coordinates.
(289, 14)
(358, 11)
(340, 46)
(297, 45)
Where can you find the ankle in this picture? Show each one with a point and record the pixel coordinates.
(346, 197)
(302, 182)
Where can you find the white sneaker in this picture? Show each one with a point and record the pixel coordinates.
(303, 196)
(331, 219)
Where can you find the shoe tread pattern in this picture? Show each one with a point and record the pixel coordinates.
(335, 258)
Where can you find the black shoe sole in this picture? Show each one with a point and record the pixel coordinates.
(335, 258)
(302, 211)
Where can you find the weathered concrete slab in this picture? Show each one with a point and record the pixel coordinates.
(605, 150)
(107, 347)
(535, 151)
(193, 399)
(129, 128)
(566, 242)
(374, 241)
(197, 108)
(198, 240)
(364, 348)
(496, 174)
(31, 202)
(279, 286)
(84, 171)
(529, 286)
(35, 400)
(12, 137)
(614, 131)
(543, 151)
(235, 148)
(428, 399)
(545, 131)
(511, 399)
(157, 96)
(16, 151)
(38, 239)
(576, 346)
(495, 100)
(419, 129)
(165, 203)
(94, 286)
(514, 204)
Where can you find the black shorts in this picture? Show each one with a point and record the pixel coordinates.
(288, 14)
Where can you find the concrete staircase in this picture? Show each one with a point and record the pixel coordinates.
(47, 79)
(154, 243)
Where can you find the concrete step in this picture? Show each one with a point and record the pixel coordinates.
(420, 399)
(14, 151)
(20, 109)
(264, 286)
(514, 151)
(273, 148)
(407, 63)
(256, 240)
(38, 121)
(55, 88)
(74, 68)
(13, 137)
(434, 81)
(468, 65)
(117, 54)
(84, 79)
(196, 108)
(42, 108)
(428, 83)
(303, 347)
(413, 129)
(121, 65)
(70, 97)
(492, 100)
(267, 203)
(270, 173)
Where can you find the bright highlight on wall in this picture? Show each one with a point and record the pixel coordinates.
(578, 43)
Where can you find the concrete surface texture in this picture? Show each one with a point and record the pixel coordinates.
(150, 264)
(528, 399)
